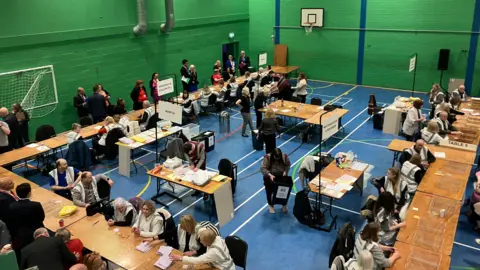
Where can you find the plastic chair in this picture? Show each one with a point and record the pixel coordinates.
(238, 250)
(103, 189)
(86, 121)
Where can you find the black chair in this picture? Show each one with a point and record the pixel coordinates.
(227, 168)
(316, 101)
(212, 100)
(103, 189)
(226, 98)
(44, 132)
(238, 250)
(111, 147)
(86, 121)
(152, 121)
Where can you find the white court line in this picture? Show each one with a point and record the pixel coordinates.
(372, 144)
(109, 171)
(467, 246)
(343, 105)
(334, 206)
(190, 205)
(322, 95)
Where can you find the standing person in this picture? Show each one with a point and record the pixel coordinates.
(105, 94)
(185, 72)
(63, 179)
(216, 77)
(196, 156)
(4, 132)
(218, 65)
(23, 118)
(193, 84)
(96, 105)
(259, 103)
(47, 253)
(244, 103)
(138, 95)
(80, 102)
(301, 88)
(231, 65)
(244, 63)
(411, 126)
(153, 87)
(436, 96)
(14, 127)
(268, 130)
(274, 167)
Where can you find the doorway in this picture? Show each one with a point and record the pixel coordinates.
(229, 49)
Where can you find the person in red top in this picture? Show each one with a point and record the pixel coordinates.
(138, 95)
(74, 245)
(216, 77)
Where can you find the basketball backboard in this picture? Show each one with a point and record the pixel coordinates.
(311, 16)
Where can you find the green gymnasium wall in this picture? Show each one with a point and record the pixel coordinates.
(332, 55)
(91, 41)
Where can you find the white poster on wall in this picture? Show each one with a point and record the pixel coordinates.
(165, 87)
(170, 111)
(262, 59)
(330, 127)
(413, 60)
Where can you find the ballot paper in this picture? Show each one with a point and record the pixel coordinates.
(164, 250)
(126, 140)
(97, 127)
(359, 166)
(144, 247)
(135, 144)
(43, 148)
(324, 182)
(440, 154)
(346, 179)
(341, 187)
(475, 114)
(467, 110)
(33, 145)
(163, 263)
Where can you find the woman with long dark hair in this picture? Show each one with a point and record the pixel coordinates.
(275, 167)
(384, 214)
(153, 87)
(138, 95)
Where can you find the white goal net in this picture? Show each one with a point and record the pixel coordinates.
(34, 88)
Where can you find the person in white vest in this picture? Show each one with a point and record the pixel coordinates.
(393, 184)
(217, 254)
(124, 214)
(460, 93)
(430, 133)
(149, 222)
(419, 148)
(148, 112)
(412, 122)
(74, 134)
(64, 178)
(444, 126)
(436, 96)
(108, 125)
(363, 262)
(412, 173)
(85, 192)
(384, 214)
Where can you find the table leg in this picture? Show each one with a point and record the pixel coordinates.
(133, 161)
(395, 154)
(124, 155)
(160, 194)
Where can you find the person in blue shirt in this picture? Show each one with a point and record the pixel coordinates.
(64, 178)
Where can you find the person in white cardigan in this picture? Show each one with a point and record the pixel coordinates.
(149, 222)
(85, 193)
(301, 88)
(217, 254)
(412, 122)
(430, 133)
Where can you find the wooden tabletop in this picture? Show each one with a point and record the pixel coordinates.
(17, 179)
(446, 178)
(293, 109)
(329, 175)
(118, 247)
(425, 228)
(465, 157)
(315, 119)
(168, 175)
(284, 70)
(417, 258)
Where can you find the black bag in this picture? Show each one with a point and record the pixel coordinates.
(344, 244)
(378, 121)
(282, 189)
(279, 121)
(302, 210)
(257, 143)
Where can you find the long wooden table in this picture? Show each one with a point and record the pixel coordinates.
(424, 226)
(285, 70)
(446, 178)
(418, 258)
(119, 247)
(451, 154)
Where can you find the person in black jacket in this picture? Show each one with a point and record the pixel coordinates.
(80, 102)
(267, 79)
(7, 197)
(120, 107)
(26, 216)
(97, 106)
(138, 95)
(193, 84)
(12, 122)
(185, 72)
(259, 102)
(244, 63)
(23, 118)
(47, 253)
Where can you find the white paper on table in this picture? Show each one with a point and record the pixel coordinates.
(341, 186)
(164, 250)
(332, 187)
(163, 263)
(97, 127)
(143, 247)
(126, 140)
(475, 114)
(467, 110)
(285, 110)
(274, 110)
(359, 166)
(320, 108)
(440, 154)
(346, 179)
(33, 145)
(43, 148)
(475, 98)
(135, 144)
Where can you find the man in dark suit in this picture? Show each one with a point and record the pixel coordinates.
(96, 105)
(26, 216)
(244, 63)
(80, 102)
(7, 197)
(47, 253)
(185, 72)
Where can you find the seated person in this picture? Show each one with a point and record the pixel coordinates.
(430, 133)
(393, 184)
(120, 107)
(460, 93)
(63, 179)
(147, 114)
(205, 97)
(216, 77)
(412, 173)
(217, 254)
(364, 262)
(74, 245)
(384, 214)
(93, 261)
(74, 134)
(444, 125)
(419, 148)
(109, 124)
(124, 214)
(475, 203)
(149, 222)
(451, 109)
(85, 193)
(367, 240)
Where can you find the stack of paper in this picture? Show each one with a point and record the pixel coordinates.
(143, 247)
(138, 138)
(97, 127)
(346, 179)
(126, 140)
(164, 250)
(32, 145)
(163, 263)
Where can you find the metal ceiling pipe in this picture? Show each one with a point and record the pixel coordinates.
(169, 17)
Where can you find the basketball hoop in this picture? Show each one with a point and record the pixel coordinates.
(308, 28)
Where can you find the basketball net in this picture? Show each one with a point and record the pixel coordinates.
(309, 28)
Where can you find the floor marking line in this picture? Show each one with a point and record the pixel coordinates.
(356, 141)
(467, 246)
(370, 86)
(343, 105)
(190, 205)
(109, 171)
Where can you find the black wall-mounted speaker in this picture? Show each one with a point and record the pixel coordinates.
(443, 57)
